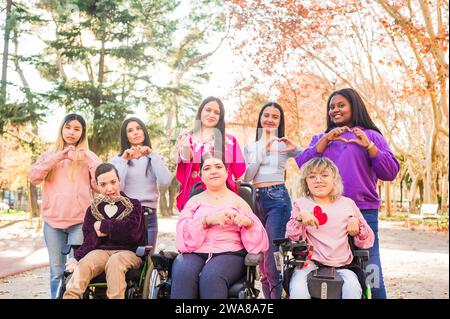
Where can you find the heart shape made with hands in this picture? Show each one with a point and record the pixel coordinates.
(322, 217)
(352, 140)
(279, 140)
(110, 210)
(75, 155)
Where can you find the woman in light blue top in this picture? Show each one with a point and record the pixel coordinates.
(141, 169)
(266, 160)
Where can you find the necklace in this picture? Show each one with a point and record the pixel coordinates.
(217, 196)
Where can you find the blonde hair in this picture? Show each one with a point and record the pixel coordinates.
(75, 165)
(319, 164)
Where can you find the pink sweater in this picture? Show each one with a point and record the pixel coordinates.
(64, 201)
(330, 241)
(192, 236)
(187, 171)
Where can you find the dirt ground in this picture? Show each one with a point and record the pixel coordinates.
(415, 263)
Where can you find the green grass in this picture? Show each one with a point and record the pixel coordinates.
(12, 211)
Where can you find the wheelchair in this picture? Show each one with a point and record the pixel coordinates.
(135, 277)
(158, 280)
(325, 282)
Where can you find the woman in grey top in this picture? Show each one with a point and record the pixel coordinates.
(266, 161)
(141, 169)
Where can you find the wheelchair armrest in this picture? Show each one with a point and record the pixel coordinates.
(363, 254)
(143, 251)
(253, 259)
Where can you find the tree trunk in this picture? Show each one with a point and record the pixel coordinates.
(401, 193)
(444, 193)
(5, 51)
(163, 207)
(412, 195)
(387, 190)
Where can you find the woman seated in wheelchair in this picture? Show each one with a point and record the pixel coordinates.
(215, 230)
(325, 219)
(113, 228)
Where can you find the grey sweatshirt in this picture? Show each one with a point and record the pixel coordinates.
(265, 166)
(135, 184)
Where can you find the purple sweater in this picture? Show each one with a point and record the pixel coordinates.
(358, 170)
(125, 234)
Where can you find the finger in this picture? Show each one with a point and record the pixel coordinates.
(356, 141)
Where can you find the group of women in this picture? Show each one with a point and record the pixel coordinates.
(216, 228)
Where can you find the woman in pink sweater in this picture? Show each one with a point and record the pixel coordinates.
(325, 219)
(208, 135)
(215, 230)
(67, 172)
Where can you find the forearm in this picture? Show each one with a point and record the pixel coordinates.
(322, 144)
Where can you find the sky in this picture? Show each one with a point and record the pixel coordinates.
(223, 66)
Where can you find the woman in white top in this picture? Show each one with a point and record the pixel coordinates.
(266, 160)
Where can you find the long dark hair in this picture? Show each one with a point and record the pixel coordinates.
(280, 127)
(125, 143)
(219, 142)
(360, 116)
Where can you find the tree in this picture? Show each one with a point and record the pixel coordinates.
(101, 59)
(178, 98)
(393, 54)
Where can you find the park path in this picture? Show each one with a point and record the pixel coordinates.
(415, 262)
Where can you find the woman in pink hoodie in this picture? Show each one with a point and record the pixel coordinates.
(325, 219)
(67, 172)
(208, 135)
(215, 230)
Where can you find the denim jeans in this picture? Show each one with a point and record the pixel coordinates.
(373, 268)
(152, 226)
(57, 240)
(192, 276)
(274, 205)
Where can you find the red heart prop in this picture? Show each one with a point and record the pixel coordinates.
(321, 217)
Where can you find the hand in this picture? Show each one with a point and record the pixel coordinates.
(65, 152)
(290, 146)
(71, 264)
(353, 226)
(80, 154)
(145, 150)
(184, 140)
(268, 146)
(241, 220)
(220, 219)
(97, 229)
(361, 138)
(309, 219)
(335, 134)
(130, 154)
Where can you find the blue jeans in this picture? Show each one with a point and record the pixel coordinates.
(193, 276)
(57, 240)
(373, 268)
(152, 226)
(274, 205)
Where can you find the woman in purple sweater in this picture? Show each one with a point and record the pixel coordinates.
(113, 228)
(362, 155)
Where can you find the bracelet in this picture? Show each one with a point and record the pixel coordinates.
(371, 144)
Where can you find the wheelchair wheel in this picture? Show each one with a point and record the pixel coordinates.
(152, 280)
